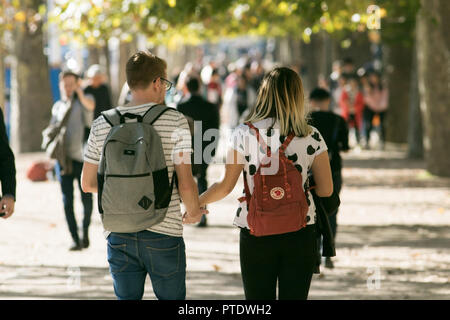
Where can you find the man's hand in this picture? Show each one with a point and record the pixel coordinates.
(191, 219)
(88, 103)
(6, 206)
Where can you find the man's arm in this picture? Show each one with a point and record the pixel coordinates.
(186, 185)
(89, 177)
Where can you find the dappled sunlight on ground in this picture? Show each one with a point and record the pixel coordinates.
(393, 240)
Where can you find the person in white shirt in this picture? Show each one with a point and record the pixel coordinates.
(160, 250)
(288, 259)
(80, 118)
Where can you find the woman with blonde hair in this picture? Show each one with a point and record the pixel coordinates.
(283, 249)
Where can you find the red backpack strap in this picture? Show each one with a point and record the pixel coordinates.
(260, 140)
(284, 162)
(286, 142)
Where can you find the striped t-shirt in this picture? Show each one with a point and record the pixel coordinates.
(173, 129)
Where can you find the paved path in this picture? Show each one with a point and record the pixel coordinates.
(393, 226)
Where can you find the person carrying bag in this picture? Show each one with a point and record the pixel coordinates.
(276, 214)
(53, 142)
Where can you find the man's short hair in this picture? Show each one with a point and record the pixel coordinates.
(68, 73)
(193, 84)
(319, 94)
(144, 67)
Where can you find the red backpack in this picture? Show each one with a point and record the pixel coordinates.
(278, 203)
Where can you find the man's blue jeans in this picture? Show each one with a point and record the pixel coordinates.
(132, 256)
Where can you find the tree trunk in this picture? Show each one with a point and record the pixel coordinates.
(398, 67)
(434, 79)
(283, 54)
(105, 63)
(296, 51)
(415, 132)
(314, 59)
(94, 55)
(34, 95)
(126, 50)
(105, 60)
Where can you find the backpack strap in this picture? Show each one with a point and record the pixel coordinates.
(112, 116)
(286, 142)
(150, 117)
(261, 141)
(154, 113)
(246, 189)
(265, 147)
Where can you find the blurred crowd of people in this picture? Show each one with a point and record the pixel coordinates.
(220, 95)
(231, 88)
(360, 97)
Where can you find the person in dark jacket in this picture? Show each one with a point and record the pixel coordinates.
(98, 89)
(199, 109)
(7, 174)
(334, 130)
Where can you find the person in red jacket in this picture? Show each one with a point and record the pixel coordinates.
(352, 105)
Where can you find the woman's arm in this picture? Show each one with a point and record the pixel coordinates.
(322, 175)
(219, 190)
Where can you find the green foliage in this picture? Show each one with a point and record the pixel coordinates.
(399, 24)
(189, 21)
(96, 21)
(20, 15)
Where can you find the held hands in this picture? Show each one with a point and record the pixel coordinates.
(6, 207)
(189, 218)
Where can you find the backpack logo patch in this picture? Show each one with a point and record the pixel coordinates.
(277, 193)
(145, 202)
(129, 152)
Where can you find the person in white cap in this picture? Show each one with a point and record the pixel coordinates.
(98, 88)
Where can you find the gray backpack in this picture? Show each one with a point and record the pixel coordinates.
(134, 191)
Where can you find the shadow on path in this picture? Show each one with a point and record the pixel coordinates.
(56, 282)
(413, 236)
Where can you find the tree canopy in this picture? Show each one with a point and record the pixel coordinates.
(171, 21)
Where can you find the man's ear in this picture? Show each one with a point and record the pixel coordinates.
(158, 83)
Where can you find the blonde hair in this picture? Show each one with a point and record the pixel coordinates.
(281, 97)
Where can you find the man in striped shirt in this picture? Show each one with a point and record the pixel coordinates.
(160, 250)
